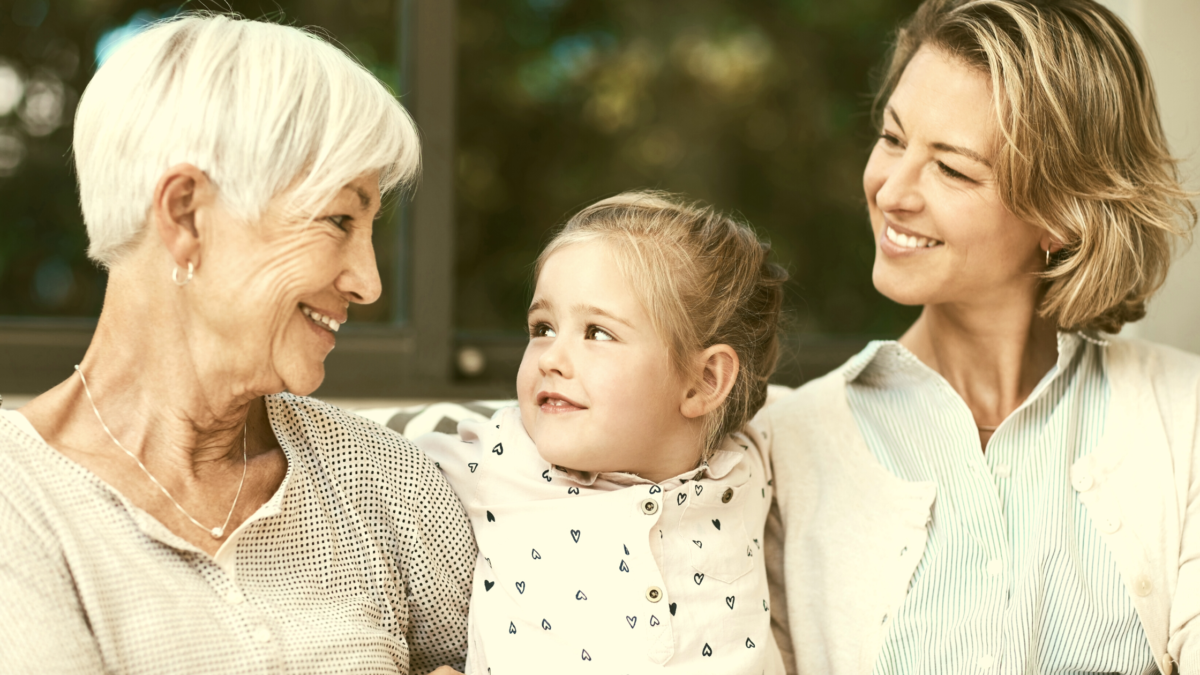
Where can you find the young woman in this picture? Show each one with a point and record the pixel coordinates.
(1005, 488)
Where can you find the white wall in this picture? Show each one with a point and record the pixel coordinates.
(1169, 31)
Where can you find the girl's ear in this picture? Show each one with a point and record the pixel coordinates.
(716, 374)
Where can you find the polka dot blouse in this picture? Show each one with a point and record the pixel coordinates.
(360, 563)
(611, 573)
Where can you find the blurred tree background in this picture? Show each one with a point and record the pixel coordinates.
(49, 49)
(757, 106)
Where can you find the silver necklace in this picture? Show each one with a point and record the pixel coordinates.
(216, 532)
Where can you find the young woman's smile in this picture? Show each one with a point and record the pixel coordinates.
(943, 234)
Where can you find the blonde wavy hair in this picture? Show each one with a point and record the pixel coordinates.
(705, 279)
(1083, 156)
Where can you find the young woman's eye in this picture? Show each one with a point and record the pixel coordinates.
(598, 333)
(952, 173)
(338, 221)
(890, 139)
(541, 330)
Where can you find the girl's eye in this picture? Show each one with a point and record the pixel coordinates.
(890, 139)
(598, 333)
(338, 221)
(541, 330)
(952, 173)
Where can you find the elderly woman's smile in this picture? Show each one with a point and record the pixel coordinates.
(207, 507)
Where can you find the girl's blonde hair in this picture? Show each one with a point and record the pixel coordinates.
(705, 279)
(1083, 154)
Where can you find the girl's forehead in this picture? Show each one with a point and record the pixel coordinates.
(587, 274)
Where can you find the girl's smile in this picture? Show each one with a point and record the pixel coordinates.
(554, 403)
(597, 387)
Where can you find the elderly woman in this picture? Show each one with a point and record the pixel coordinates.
(177, 505)
(1003, 489)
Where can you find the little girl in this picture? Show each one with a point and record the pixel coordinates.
(619, 507)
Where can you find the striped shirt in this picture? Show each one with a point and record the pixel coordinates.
(1015, 577)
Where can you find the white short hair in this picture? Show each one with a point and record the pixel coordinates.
(262, 109)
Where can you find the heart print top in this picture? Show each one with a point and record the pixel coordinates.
(609, 572)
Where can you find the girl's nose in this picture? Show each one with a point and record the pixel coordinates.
(556, 358)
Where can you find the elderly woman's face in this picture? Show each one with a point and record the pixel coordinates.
(286, 284)
(942, 233)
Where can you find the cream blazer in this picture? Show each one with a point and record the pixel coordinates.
(846, 536)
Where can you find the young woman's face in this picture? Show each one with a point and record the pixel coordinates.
(278, 274)
(596, 388)
(942, 233)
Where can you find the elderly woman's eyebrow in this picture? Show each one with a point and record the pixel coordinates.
(363, 198)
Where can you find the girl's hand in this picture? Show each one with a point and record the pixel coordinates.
(445, 670)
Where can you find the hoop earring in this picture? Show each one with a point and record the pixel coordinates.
(175, 275)
(1047, 260)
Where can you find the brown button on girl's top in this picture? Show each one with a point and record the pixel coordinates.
(727, 496)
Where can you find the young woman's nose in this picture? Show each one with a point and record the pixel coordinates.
(900, 189)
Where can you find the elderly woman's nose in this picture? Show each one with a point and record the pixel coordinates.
(359, 281)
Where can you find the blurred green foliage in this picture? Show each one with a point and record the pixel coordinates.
(757, 106)
(760, 107)
(47, 55)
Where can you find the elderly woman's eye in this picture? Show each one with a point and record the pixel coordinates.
(541, 330)
(338, 221)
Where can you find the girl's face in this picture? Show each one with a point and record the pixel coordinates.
(942, 233)
(596, 388)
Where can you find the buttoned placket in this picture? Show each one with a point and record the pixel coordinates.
(999, 462)
(219, 572)
(992, 516)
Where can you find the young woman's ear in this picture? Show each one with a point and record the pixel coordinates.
(179, 194)
(1050, 243)
(716, 372)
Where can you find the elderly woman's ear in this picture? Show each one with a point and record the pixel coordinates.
(182, 194)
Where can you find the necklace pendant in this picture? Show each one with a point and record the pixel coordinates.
(218, 532)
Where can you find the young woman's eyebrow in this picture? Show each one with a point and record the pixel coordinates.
(945, 147)
(965, 152)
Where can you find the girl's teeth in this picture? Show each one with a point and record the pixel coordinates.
(334, 325)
